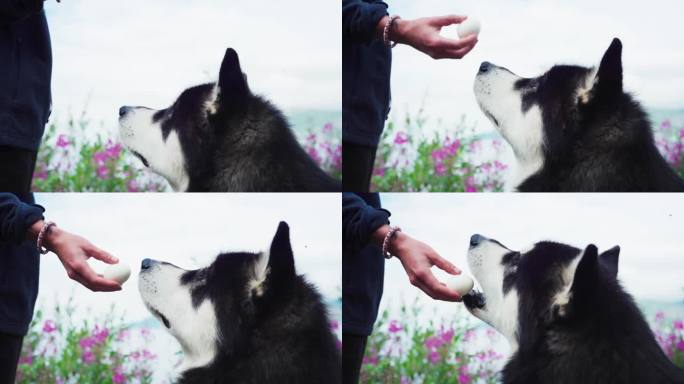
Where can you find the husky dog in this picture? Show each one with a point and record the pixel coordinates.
(247, 318)
(566, 316)
(220, 137)
(575, 129)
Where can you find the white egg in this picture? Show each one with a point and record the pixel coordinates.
(460, 283)
(117, 272)
(468, 27)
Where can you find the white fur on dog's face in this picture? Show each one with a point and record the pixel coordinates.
(171, 302)
(501, 309)
(143, 136)
(523, 130)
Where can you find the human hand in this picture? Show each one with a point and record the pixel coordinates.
(418, 258)
(74, 251)
(423, 35)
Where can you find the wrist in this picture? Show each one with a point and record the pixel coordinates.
(398, 244)
(398, 31)
(53, 238)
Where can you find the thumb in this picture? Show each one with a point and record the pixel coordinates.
(444, 264)
(101, 255)
(443, 21)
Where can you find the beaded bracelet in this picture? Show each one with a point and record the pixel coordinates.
(391, 234)
(385, 31)
(41, 237)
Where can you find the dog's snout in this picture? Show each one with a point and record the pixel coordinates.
(146, 264)
(476, 240)
(124, 110)
(485, 66)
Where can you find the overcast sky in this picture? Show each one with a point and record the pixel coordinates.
(529, 36)
(129, 52)
(648, 230)
(190, 230)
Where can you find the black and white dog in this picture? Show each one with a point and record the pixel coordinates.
(221, 137)
(575, 129)
(565, 315)
(247, 318)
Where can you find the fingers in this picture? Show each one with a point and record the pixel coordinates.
(446, 48)
(83, 274)
(444, 264)
(443, 21)
(429, 284)
(99, 254)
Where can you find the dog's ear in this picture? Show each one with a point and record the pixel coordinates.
(232, 84)
(275, 267)
(607, 81)
(609, 261)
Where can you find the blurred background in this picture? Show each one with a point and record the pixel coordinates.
(188, 230)
(418, 337)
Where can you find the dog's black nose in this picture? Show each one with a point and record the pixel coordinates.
(146, 264)
(485, 66)
(476, 240)
(124, 110)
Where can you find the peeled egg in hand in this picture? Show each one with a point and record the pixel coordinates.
(468, 27)
(460, 283)
(118, 272)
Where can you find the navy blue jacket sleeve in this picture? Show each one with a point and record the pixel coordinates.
(360, 219)
(359, 19)
(16, 217)
(15, 10)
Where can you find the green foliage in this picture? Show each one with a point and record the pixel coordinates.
(405, 351)
(58, 350)
(406, 161)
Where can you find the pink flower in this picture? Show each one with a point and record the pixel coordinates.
(328, 127)
(434, 357)
(62, 141)
(118, 376)
(113, 150)
(147, 355)
(395, 327)
(49, 326)
(666, 124)
(463, 378)
(469, 335)
(100, 158)
(102, 171)
(447, 336)
(470, 184)
(440, 169)
(88, 357)
(660, 316)
(86, 343)
(100, 335)
(28, 360)
(680, 345)
(132, 186)
(678, 324)
(401, 138)
(334, 325)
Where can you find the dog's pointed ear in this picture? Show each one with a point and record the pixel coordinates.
(608, 79)
(609, 261)
(281, 261)
(587, 273)
(232, 84)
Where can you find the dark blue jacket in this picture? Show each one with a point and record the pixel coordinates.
(19, 263)
(25, 73)
(363, 266)
(366, 63)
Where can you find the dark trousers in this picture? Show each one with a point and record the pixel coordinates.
(353, 348)
(16, 174)
(16, 170)
(10, 349)
(357, 169)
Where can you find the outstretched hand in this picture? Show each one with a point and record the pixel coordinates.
(424, 35)
(418, 258)
(74, 251)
